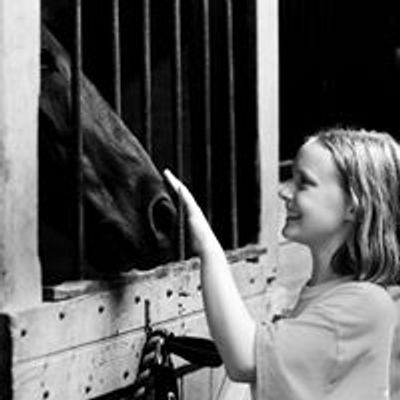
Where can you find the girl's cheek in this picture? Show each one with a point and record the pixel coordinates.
(299, 199)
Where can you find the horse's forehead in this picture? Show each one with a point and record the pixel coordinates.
(58, 54)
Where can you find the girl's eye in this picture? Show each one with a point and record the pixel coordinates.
(302, 182)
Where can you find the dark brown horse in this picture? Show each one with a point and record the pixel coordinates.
(129, 216)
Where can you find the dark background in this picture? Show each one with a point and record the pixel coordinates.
(338, 65)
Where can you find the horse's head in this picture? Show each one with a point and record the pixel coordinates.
(129, 217)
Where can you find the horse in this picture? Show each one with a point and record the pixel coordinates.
(129, 216)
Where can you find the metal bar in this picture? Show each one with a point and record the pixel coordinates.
(285, 170)
(116, 53)
(232, 124)
(76, 110)
(147, 77)
(207, 108)
(286, 163)
(178, 117)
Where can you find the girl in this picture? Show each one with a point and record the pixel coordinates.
(343, 204)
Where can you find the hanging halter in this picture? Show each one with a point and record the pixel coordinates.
(157, 378)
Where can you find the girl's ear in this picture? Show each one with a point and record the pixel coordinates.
(351, 213)
(352, 209)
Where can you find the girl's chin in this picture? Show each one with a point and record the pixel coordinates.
(288, 233)
(291, 233)
(290, 226)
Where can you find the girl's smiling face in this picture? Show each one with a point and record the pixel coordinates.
(318, 210)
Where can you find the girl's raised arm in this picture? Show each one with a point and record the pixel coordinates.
(230, 323)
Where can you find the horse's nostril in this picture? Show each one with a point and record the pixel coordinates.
(162, 217)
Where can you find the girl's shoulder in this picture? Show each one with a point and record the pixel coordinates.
(362, 289)
(346, 289)
(361, 300)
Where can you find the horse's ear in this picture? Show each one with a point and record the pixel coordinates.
(162, 218)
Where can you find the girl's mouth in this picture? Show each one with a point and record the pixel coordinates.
(292, 217)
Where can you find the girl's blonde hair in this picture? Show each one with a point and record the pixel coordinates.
(369, 168)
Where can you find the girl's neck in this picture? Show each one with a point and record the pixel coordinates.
(322, 253)
(321, 265)
(319, 277)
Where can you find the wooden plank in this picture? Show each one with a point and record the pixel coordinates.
(101, 367)
(57, 326)
(72, 289)
(268, 122)
(93, 369)
(20, 283)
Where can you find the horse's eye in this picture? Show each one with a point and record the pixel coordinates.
(47, 61)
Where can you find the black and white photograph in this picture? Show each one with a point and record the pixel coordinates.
(199, 200)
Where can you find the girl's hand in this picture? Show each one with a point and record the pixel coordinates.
(202, 236)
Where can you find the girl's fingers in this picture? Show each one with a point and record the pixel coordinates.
(201, 233)
(172, 180)
(182, 191)
(177, 185)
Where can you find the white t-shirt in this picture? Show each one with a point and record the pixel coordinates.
(335, 346)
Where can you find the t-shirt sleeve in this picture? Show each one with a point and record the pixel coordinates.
(293, 352)
(298, 358)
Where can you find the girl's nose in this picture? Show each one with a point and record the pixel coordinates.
(286, 190)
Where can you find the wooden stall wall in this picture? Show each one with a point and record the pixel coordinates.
(87, 344)
(19, 82)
